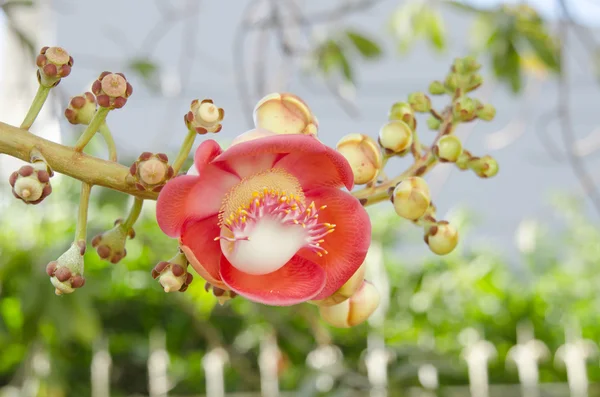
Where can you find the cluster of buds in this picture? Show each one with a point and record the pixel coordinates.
(221, 294)
(112, 90)
(66, 273)
(81, 109)
(484, 166)
(363, 155)
(53, 64)
(110, 245)
(151, 171)
(173, 274)
(285, 113)
(204, 117)
(31, 183)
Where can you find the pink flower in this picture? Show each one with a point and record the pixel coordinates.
(267, 219)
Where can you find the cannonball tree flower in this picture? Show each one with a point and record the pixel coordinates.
(267, 218)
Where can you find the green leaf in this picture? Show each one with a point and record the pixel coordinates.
(365, 46)
(144, 68)
(346, 68)
(332, 58)
(543, 46)
(436, 30)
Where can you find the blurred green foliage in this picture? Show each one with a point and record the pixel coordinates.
(432, 301)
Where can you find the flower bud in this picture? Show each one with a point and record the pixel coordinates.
(403, 111)
(452, 82)
(204, 117)
(433, 123)
(464, 108)
(484, 167)
(31, 183)
(346, 290)
(448, 148)
(352, 311)
(441, 238)
(486, 112)
(437, 88)
(112, 90)
(411, 198)
(474, 82)
(53, 64)
(419, 102)
(173, 275)
(395, 137)
(110, 245)
(66, 273)
(285, 113)
(81, 109)
(470, 64)
(221, 294)
(151, 171)
(364, 156)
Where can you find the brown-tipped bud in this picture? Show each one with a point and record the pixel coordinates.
(53, 64)
(110, 245)
(346, 290)
(441, 238)
(395, 137)
(364, 156)
(354, 310)
(437, 88)
(486, 112)
(403, 111)
(151, 171)
(204, 117)
(222, 295)
(484, 167)
(112, 90)
(81, 109)
(448, 148)
(285, 113)
(173, 274)
(66, 273)
(31, 183)
(411, 198)
(464, 108)
(419, 102)
(473, 82)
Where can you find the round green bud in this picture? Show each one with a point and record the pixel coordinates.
(448, 148)
(484, 167)
(441, 238)
(437, 88)
(470, 64)
(433, 123)
(395, 136)
(419, 102)
(403, 111)
(411, 198)
(486, 112)
(464, 108)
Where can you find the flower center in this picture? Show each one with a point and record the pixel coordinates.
(264, 233)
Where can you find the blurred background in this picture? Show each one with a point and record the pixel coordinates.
(514, 311)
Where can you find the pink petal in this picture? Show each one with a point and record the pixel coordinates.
(348, 244)
(192, 197)
(205, 153)
(202, 251)
(328, 169)
(260, 154)
(298, 281)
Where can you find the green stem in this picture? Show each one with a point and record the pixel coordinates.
(184, 152)
(84, 200)
(38, 101)
(91, 129)
(110, 142)
(134, 213)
